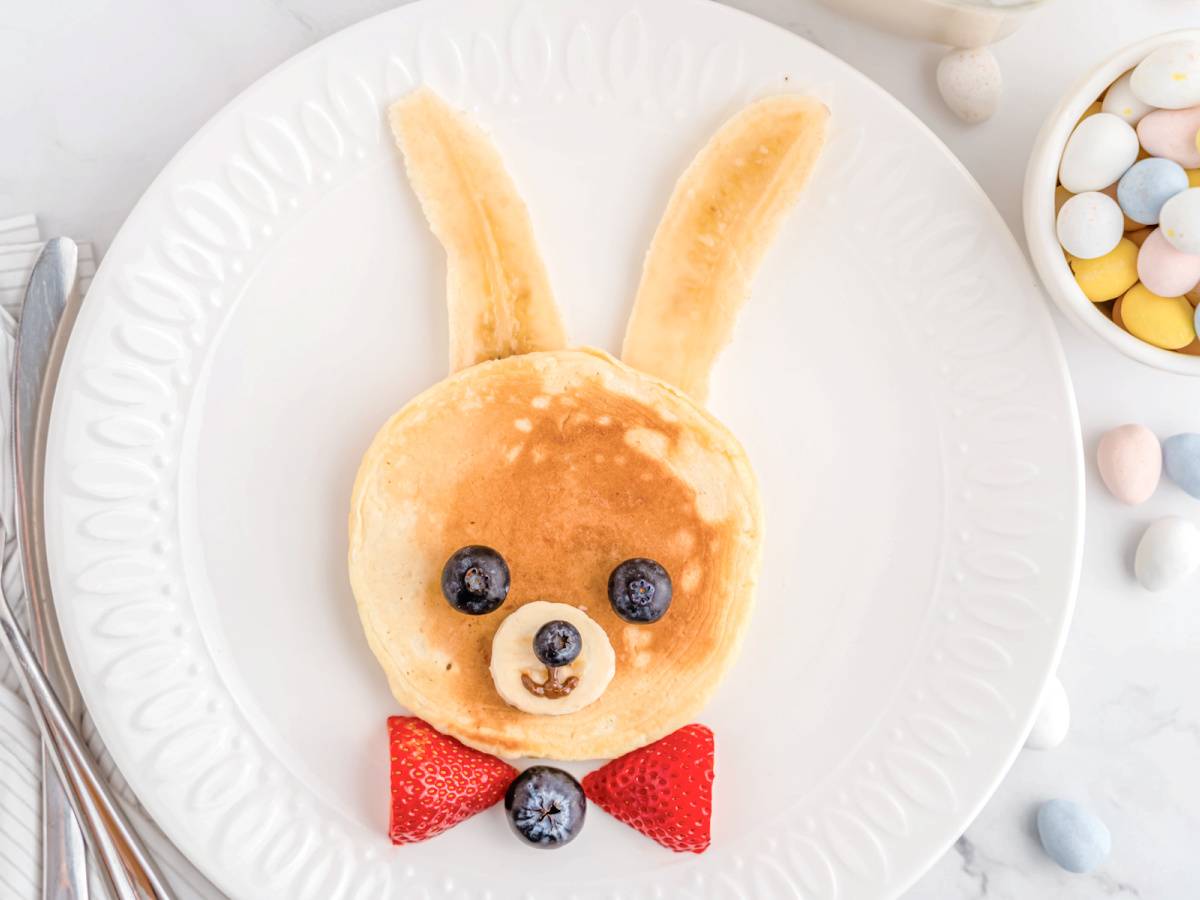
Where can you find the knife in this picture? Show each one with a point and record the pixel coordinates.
(72, 789)
(51, 298)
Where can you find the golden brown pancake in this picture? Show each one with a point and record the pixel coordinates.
(567, 462)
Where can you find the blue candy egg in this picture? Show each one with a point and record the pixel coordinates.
(1181, 459)
(1072, 836)
(1147, 185)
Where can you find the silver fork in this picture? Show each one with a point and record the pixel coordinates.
(127, 864)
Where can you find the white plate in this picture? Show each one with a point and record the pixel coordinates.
(276, 295)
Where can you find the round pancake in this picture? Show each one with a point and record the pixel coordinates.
(566, 462)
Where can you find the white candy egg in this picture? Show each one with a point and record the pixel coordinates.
(1090, 225)
(1122, 101)
(1168, 553)
(970, 83)
(1053, 719)
(1169, 77)
(1098, 152)
(1179, 221)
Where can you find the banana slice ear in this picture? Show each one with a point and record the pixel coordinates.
(720, 220)
(498, 293)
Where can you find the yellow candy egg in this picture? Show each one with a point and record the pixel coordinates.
(1165, 322)
(1194, 174)
(1109, 276)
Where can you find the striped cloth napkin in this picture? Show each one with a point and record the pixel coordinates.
(20, 762)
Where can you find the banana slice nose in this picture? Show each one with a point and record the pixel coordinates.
(513, 660)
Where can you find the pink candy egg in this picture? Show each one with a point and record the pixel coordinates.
(1164, 270)
(1130, 462)
(1171, 134)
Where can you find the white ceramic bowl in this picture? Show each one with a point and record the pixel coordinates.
(958, 23)
(1040, 178)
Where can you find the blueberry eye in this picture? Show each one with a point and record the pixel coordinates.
(639, 591)
(557, 644)
(475, 580)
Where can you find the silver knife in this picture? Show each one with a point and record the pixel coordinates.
(52, 296)
(51, 304)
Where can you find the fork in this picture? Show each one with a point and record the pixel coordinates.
(127, 865)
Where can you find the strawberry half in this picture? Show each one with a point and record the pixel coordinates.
(437, 782)
(664, 790)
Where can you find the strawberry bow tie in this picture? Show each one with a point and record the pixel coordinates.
(664, 789)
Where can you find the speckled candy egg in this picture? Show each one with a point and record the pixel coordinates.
(1147, 185)
(1120, 100)
(1167, 554)
(1179, 220)
(1053, 719)
(1098, 152)
(1090, 225)
(1164, 270)
(1171, 134)
(1181, 458)
(970, 83)
(1130, 462)
(1073, 837)
(1169, 77)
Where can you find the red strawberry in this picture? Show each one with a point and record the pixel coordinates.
(664, 790)
(437, 782)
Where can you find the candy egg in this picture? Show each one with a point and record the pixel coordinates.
(1073, 837)
(970, 83)
(1098, 152)
(1179, 220)
(1181, 458)
(1194, 174)
(1168, 553)
(1090, 224)
(1053, 719)
(1166, 322)
(1120, 100)
(1147, 185)
(1130, 462)
(1139, 236)
(1171, 134)
(1116, 313)
(1164, 270)
(1109, 276)
(1061, 196)
(1169, 77)
(1127, 223)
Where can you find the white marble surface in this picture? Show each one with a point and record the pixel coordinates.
(96, 96)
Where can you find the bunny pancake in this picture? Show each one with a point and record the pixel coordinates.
(553, 552)
(566, 463)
